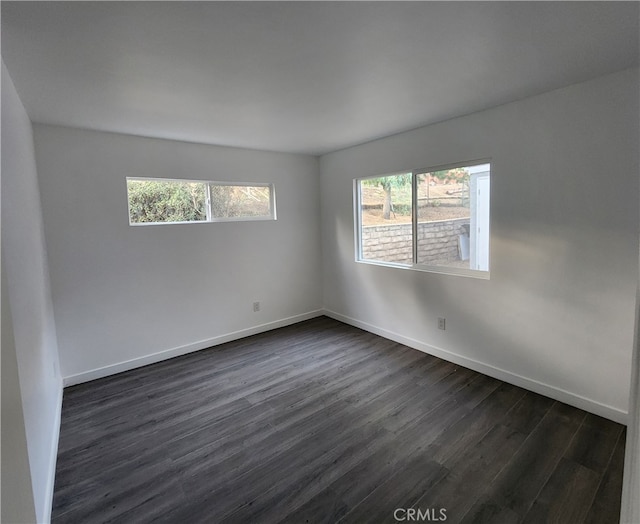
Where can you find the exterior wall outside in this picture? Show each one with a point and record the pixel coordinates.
(437, 242)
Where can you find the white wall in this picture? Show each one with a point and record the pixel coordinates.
(28, 292)
(630, 503)
(557, 314)
(17, 503)
(128, 295)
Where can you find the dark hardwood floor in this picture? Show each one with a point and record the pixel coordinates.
(321, 422)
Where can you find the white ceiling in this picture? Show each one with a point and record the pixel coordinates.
(308, 77)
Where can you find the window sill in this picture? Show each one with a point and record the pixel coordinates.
(451, 271)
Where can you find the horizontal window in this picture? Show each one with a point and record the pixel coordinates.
(431, 219)
(165, 201)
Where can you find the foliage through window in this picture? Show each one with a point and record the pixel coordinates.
(161, 201)
(434, 219)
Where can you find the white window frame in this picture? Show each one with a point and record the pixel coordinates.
(446, 270)
(208, 184)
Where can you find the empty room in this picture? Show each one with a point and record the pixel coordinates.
(320, 262)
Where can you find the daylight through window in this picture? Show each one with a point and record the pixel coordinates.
(434, 220)
(162, 201)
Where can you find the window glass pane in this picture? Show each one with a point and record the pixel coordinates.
(154, 201)
(386, 233)
(241, 201)
(453, 218)
(161, 201)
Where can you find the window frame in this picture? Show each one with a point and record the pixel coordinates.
(209, 215)
(415, 266)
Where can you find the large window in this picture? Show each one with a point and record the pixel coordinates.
(162, 201)
(432, 219)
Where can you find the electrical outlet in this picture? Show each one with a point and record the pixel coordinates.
(256, 307)
(441, 323)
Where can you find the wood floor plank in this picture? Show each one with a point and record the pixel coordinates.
(401, 490)
(305, 420)
(567, 495)
(594, 443)
(529, 412)
(322, 422)
(118, 494)
(522, 479)
(406, 445)
(471, 471)
(287, 493)
(457, 384)
(278, 502)
(287, 452)
(606, 505)
(468, 432)
(488, 511)
(326, 509)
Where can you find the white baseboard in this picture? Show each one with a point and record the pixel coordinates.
(187, 348)
(553, 392)
(53, 458)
